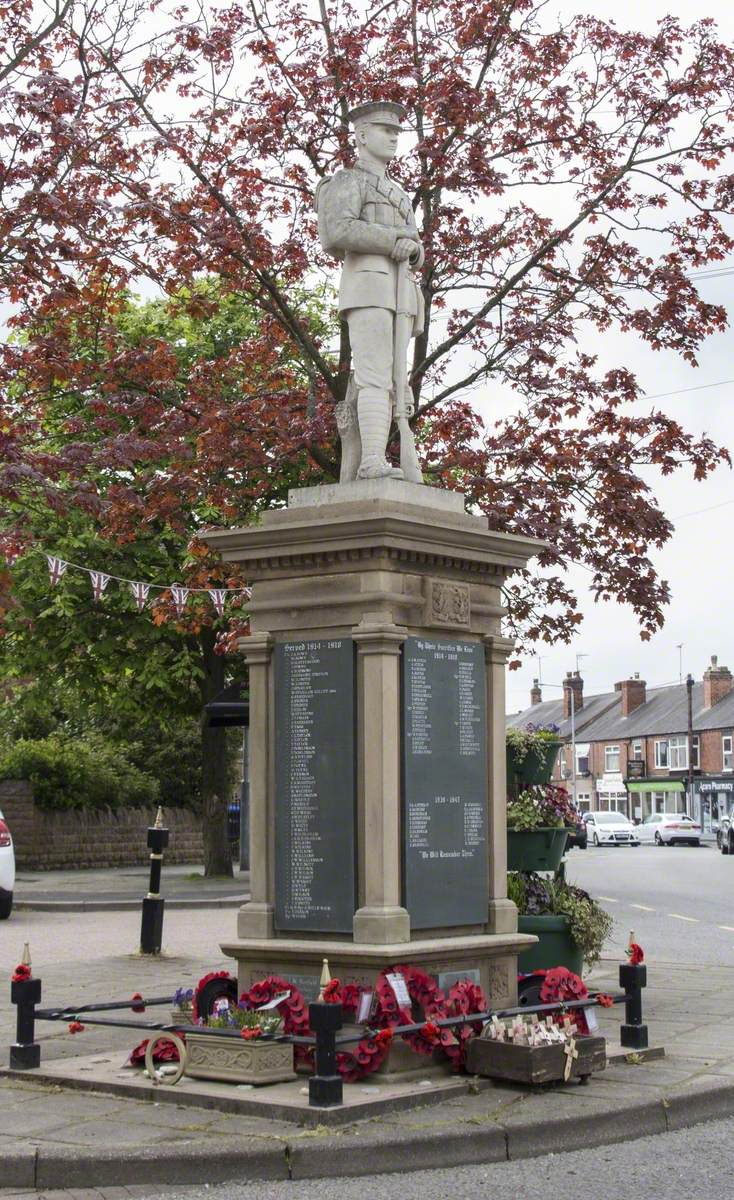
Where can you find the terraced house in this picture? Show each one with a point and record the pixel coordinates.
(631, 749)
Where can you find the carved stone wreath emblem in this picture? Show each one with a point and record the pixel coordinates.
(447, 604)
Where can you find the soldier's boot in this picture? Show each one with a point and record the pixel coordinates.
(374, 411)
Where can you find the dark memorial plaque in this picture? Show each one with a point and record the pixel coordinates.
(314, 785)
(444, 783)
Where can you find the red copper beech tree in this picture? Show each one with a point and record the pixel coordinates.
(568, 181)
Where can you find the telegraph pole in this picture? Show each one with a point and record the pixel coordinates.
(689, 798)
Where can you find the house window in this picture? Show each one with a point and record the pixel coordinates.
(672, 753)
(695, 750)
(582, 758)
(611, 758)
(726, 752)
(637, 749)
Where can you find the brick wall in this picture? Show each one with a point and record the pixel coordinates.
(46, 841)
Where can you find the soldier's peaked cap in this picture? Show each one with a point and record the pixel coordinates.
(384, 112)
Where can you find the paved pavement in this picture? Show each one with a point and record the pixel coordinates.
(122, 888)
(51, 1138)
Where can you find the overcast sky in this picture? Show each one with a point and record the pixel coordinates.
(698, 562)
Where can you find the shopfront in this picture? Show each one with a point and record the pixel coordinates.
(611, 794)
(713, 799)
(649, 796)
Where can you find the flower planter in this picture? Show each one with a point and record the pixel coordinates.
(534, 1064)
(535, 849)
(182, 1016)
(555, 948)
(234, 1060)
(536, 765)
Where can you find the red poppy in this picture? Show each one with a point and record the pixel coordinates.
(604, 1000)
(76, 1027)
(250, 1034)
(21, 973)
(383, 1037)
(136, 1004)
(431, 1031)
(331, 992)
(635, 954)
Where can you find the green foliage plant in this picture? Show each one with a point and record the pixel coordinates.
(543, 806)
(535, 896)
(76, 773)
(242, 1018)
(534, 738)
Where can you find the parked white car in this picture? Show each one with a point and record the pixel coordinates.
(610, 829)
(7, 870)
(665, 828)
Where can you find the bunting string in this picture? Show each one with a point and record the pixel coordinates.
(57, 568)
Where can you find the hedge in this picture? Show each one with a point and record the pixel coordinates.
(79, 772)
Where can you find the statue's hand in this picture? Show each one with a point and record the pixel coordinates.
(403, 249)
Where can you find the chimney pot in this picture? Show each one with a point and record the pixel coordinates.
(717, 683)
(634, 693)
(572, 684)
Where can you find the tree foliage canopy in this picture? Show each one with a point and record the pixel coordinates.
(568, 180)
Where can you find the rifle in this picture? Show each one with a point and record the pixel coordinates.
(403, 399)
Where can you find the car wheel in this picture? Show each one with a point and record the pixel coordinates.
(6, 906)
(658, 840)
(595, 839)
(724, 846)
(696, 842)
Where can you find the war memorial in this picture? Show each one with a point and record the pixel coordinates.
(376, 664)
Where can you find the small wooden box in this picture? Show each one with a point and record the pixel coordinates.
(534, 1064)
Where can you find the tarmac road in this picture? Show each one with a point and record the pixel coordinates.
(678, 899)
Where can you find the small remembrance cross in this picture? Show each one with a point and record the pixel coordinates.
(571, 1053)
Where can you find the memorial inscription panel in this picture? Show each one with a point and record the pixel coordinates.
(315, 785)
(444, 783)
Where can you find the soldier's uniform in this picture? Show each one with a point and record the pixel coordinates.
(361, 215)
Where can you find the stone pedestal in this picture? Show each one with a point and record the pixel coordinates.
(376, 562)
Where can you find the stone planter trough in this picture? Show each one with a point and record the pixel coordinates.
(234, 1060)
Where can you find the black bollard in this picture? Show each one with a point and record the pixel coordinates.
(633, 978)
(325, 1086)
(25, 1053)
(151, 927)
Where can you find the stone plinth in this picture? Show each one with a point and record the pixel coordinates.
(376, 562)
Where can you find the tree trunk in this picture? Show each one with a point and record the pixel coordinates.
(215, 767)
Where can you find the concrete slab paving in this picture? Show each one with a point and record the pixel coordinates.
(171, 1142)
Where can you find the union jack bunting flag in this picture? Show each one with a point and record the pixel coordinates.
(56, 567)
(218, 596)
(140, 594)
(180, 595)
(99, 583)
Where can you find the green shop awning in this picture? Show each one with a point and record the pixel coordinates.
(655, 785)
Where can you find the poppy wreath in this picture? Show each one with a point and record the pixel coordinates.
(372, 1050)
(427, 1004)
(560, 984)
(165, 1052)
(210, 988)
(464, 997)
(293, 1010)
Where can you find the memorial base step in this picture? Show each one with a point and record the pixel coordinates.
(489, 960)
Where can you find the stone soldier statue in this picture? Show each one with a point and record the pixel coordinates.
(366, 220)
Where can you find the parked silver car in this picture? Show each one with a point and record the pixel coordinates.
(666, 828)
